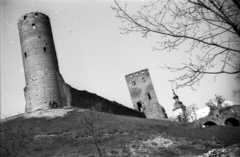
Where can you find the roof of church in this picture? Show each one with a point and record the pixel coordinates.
(177, 105)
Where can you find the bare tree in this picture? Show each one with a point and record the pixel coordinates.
(182, 117)
(237, 91)
(215, 103)
(14, 139)
(211, 28)
(92, 122)
(191, 112)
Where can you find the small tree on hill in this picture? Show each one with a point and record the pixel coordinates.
(215, 103)
(191, 112)
(92, 122)
(218, 104)
(14, 139)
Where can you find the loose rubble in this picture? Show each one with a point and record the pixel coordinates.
(231, 151)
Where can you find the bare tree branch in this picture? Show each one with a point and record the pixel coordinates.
(213, 27)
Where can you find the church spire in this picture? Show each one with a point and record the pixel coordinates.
(175, 97)
(178, 104)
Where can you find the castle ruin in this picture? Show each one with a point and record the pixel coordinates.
(143, 95)
(45, 87)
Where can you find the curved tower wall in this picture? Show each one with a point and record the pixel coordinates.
(39, 61)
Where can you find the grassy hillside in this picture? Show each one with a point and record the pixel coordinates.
(66, 135)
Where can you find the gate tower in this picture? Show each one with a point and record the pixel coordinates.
(143, 95)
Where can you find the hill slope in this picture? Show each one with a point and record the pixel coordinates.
(62, 132)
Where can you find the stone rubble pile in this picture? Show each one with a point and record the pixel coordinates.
(167, 146)
(231, 151)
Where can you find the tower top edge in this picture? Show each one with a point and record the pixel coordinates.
(32, 15)
(137, 73)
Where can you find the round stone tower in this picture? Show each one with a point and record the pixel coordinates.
(39, 61)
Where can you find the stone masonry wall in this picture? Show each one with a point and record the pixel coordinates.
(84, 99)
(65, 91)
(143, 94)
(222, 116)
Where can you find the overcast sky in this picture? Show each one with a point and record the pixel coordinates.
(94, 56)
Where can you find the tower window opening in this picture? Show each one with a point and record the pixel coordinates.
(25, 54)
(149, 96)
(133, 83)
(44, 49)
(139, 106)
(33, 26)
(36, 15)
(25, 17)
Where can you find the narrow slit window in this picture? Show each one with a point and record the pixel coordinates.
(25, 17)
(149, 96)
(25, 54)
(36, 15)
(133, 83)
(44, 49)
(33, 26)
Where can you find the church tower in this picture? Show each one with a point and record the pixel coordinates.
(179, 109)
(39, 61)
(143, 95)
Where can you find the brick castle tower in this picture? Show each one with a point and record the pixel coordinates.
(143, 95)
(40, 62)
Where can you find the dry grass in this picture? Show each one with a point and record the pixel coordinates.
(50, 113)
(61, 134)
